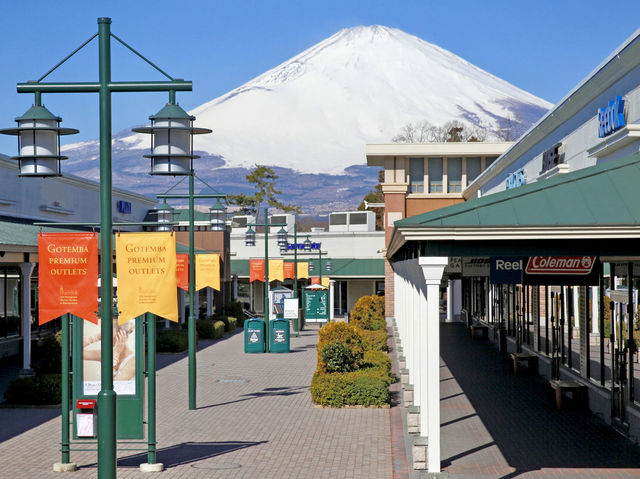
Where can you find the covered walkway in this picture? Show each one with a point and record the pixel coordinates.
(497, 425)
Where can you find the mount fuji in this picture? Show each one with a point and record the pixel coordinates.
(311, 117)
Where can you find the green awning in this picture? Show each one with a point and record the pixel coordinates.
(340, 267)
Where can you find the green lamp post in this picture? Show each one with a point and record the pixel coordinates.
(43, 160)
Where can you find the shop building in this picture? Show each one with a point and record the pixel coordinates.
(562, 205)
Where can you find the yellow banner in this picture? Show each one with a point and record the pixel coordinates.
(326, 281)
(276, 270)
(207, 271)
(146, 273)
(303, 270)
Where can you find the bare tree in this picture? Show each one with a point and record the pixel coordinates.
(451, 131)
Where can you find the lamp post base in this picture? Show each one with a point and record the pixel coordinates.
(65, 467)
(155, 467)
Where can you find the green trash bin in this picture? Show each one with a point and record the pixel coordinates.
(279, 337)
(254, 330)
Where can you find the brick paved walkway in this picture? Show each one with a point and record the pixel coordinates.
(497, 425)
(263, 428)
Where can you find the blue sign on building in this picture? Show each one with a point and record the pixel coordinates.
(611, 118)
(515, 179)
(505, 270)
(314, 246)
(124, 207)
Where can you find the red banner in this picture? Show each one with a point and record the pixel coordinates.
(68, 276)
(256, 270)
(289, 271)
(182, 271)
(315, 280)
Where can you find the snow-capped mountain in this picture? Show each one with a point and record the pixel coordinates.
(312, 116)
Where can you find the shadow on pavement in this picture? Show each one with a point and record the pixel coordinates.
(529, 432)
(186, 453)
(266, 392)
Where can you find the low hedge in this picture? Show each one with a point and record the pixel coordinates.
(368, 313)
(172, 341)
(338, 358)
(35, 390)
(230, 323)
(374, 340)
(210, 329)
(346, 334)
(357, 388)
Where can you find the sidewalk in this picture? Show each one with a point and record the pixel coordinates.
(497, 425)
(254, 420)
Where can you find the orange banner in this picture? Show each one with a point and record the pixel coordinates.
(326, 281)
(68, 276)
(146, 266)
(182, 271)
(289, 270)
(207, 271)
(256, 270)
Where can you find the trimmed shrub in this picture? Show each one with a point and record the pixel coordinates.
(234, 322)
(374, 340)
(204, 329)
(218, 329)
(376, 359)
(349, 389)
(368, 313)
(344, 333)
(234, 309)
(338, 358)
(35, 390)
(47, 355)
(172, 341)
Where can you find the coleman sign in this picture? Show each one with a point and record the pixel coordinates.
(561, 270)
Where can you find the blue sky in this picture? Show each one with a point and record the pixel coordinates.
(544, 47)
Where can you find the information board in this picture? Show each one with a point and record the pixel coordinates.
(316, 306)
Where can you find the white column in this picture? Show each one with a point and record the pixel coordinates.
(595, 309)
(332, 283)
(449, 302)
(432, 268)
(209, 301)
(490, 305)
(457, 297)
(415, 340)
(26, 269)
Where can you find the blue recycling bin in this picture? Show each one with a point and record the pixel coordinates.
(254, 335)
(279, 336)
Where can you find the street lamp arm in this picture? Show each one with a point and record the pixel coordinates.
(184, 196)
(141, 56)
(94, 87)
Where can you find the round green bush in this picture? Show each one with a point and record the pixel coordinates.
(356, 388)
(172, 341)
(338, 358)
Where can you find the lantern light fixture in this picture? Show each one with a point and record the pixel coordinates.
(307, 245)
(282, 238)
(250, 237)
(329, 265)
(172, 133)
(164, 216)
(39, 133)
(218, 216)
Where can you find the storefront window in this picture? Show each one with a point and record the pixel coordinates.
(473, 169)
(454, 175)
(416, 175)
(435, 175)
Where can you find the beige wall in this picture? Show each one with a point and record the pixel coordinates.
(358, 288)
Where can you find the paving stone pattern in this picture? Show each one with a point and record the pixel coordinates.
(498, 425)
(265, 427)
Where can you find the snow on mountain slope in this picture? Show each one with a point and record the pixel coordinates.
(315, 113)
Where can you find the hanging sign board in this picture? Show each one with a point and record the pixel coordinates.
(182, 271)
(68, 276)
(454, 265)
(506, 270)
(256, 270)
(146, 272)
(475, 267)
(207, 271)
(561, 270)
(621, 269)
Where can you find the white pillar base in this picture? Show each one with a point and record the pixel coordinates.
(156, 467)
(65, 467)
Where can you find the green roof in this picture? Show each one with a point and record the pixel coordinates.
(605, 194)
(24, 234)
(182, 214)
(340, 267)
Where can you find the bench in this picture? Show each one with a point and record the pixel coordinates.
(577, 389)
(478, 330)
(530, 359)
